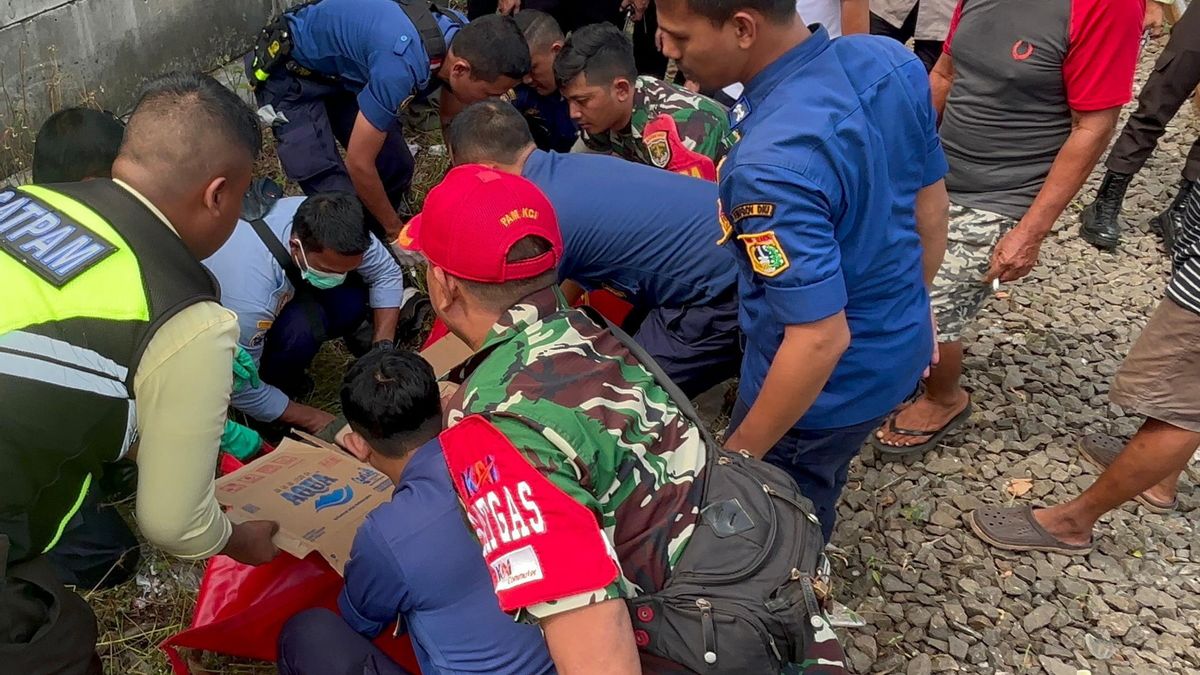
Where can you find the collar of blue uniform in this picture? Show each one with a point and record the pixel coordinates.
(765, 82)
(531, 310)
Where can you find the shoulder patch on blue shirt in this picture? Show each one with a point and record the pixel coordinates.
(45, 241)
(766, 254)
(739, 112)
(752, 210)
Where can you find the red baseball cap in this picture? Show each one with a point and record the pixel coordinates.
(472, 219)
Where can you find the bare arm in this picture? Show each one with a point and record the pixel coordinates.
(385, 320)
(592, 639)
(933, 216)
(1017, 252)
(800, 369)
(856, 17)
(365, 144)
(940, 79)
(308, 418)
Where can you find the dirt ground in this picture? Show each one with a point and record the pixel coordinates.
(934, 598)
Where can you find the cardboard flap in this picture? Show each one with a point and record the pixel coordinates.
(318, 495)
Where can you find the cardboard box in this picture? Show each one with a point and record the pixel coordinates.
(318, 493)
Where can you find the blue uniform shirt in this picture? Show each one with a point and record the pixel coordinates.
(413, 560)
(549, 118)
(256, 288)
(818, 199)
(641, 232)
(372, 45)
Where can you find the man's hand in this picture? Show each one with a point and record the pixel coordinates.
(1154, 18)
(508, 7)
(308, 418)
(1015, 255)
(636, 8)
(250, 543)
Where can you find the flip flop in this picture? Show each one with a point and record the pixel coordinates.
(1100, 450)
(935, 435)
(1015, 529)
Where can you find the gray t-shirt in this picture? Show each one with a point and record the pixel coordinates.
(1020, 67)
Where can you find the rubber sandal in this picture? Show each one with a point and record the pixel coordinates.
(935, 435)
(1015, 529)
(1100, 450)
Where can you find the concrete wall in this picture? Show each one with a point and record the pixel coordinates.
(55, 53)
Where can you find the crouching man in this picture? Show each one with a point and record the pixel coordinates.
(413, 560)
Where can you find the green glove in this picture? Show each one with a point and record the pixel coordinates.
(240, 441)
(245, 373)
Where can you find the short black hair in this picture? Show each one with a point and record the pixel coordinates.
(500, 297)
(720, 11)
(600, 51)
(332, 220)
(391, 398)
(214, 109)
(540, 29)
(494, 47)
(488, 131)
(76, 143)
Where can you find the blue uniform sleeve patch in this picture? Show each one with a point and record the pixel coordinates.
(46, 242)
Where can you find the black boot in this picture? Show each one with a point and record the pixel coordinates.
(1167, 222)
(1100, 222)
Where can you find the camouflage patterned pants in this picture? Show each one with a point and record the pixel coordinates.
(958, 289)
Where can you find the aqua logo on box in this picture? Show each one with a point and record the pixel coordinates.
(319, 486)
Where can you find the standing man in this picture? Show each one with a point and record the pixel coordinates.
(538, 99)
(642, 234)
(342, 71)
(1173, 80)
(1159, 379)
(305, 273)
(834, 205)
(1027, 107)
(925, 22)
(112, 342)
(613, 105)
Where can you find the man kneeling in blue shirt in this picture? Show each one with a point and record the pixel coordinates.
(646, 235)
(413, 559)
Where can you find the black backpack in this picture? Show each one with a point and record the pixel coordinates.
(747, 595)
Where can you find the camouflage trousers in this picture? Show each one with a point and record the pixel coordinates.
(958, 289)
(824, 657)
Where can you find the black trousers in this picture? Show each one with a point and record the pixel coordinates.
(97, 548)
(929, 51)
(45, 629)
(1175, 77)
(319, 642)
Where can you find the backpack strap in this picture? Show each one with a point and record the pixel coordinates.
(423, 18)
(676, 395)
(278, 252)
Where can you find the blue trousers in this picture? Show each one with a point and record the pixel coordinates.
(319, 642)
(818, 460)
(320, 116)
(698, 347)
(310, 319)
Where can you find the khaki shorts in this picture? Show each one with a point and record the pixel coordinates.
(958, 290)
(1160, 377)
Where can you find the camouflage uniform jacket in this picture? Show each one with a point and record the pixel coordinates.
(702, 122)
(579, 408)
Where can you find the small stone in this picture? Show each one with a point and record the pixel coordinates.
(968, 585)
(892, 584)
(1099, 648)
(1055, 667)
(1039, 618)
(958, 648)
(921, 665)
(1116, 623)
(943, 466)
